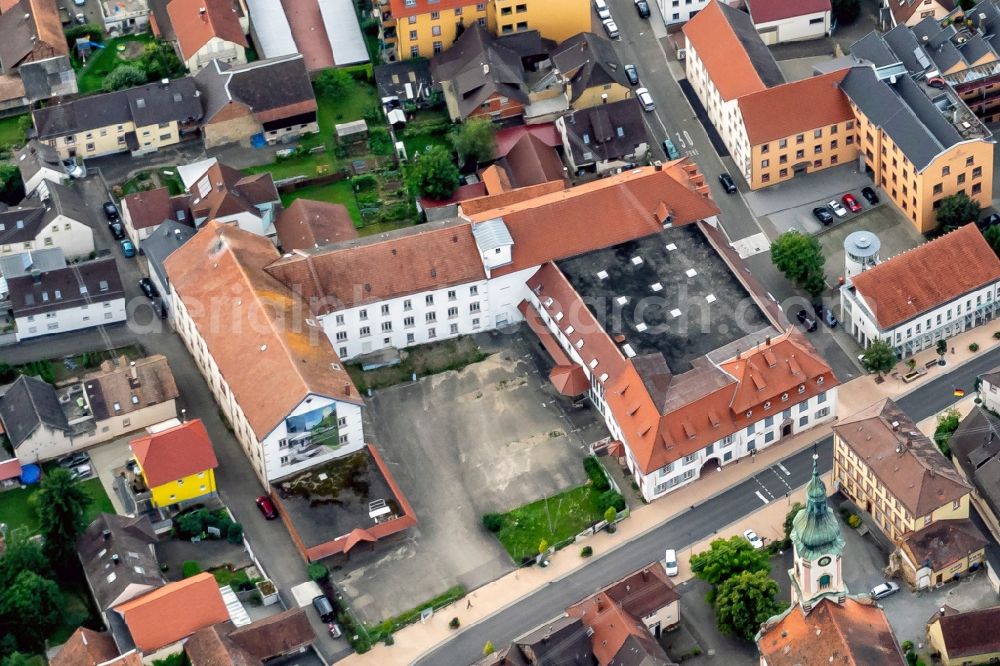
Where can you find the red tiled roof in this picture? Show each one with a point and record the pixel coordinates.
(532, 161)
(461, 193)
(305, 20)
(174, 453)
(508, 137)
(779, 112)
(230, 192)
(308, 223)
(401, 8)
(148, 209)
(173, 612)
(493, 201)
(766, 11)
(969, 634)
(928, 276)
(198, 21)
(10, 469)
(86, 647)
(721, 52)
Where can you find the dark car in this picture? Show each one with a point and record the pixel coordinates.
(111, 211)
(869, 195)
(826, 315)
(632, 74)
(324, 608)
(642, 7)
(990, 220)
(727, 183)
(75, 460)
(159, 308)
(149, 288)
(117, 230)
(266, 507)
(808, 322)
(823, 214)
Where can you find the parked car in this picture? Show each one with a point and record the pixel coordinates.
(79, 3)
(128, 249)
(611, 28)
(826, 315)
(670, 562)
(851, 203)
(869, 195)
(111, 211)
(837, 209)
(885, 589)
(75, 169)
(601, 7)
(81, 471)
(149, 288)
(754, 540)
(670, 150)
(727, 183)
(159, 308)
(642, 7)
(78, 458)
(632, 74)
(117, 230)
(808, 322)
(823, 214)
(990, 220)
(324, 608)
(334, 630)
(81, 19)
(642, 94)
(266, 507)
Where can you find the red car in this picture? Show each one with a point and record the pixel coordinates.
(851, 203)
(266, 507)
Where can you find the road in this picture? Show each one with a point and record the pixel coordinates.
(687, 528)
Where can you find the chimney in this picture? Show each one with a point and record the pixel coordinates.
(895, 426)
(657, 165)
(767, 341)
(116, 559)
(201, 11)
(106, 534)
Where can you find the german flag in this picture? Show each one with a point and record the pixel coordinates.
(959, 393)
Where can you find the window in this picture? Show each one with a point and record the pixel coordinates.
(765, 178)
(765, 148)
(968, 161)
(961, 178)
(340, 320)
(799, 154)
(823, 413)
(937, 188)
(413, 35)
(451, 295)
(765, 163)
(977, 188)
(803, 420)
(782, 143)
(458, 11)
(436, 30)
(438, 47)
(833, 145)
(475, 323)
(365, 331)
(945, 171)
(407, 305)
(817, 149)
(817, 133)
(410, 338)
(435, 16)
(452, 313)
(407, 322)
(362, 315)
(414, 52)
(430, 317)
(431, 333)
(429, 300)
(341, 336)
(783, 173)
(801, 138)
(454, 329)
(387, 327)
(834, 159)
(474, 290)
(849, 140)
(411, 20)
(474, 307)
(783, 159)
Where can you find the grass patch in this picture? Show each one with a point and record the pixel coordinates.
(17, 511)
(339, 192)
(11, 133)
(394, 624)
(421, 142)
(76, 611)
(424, 360)
(306, 165)
(169, 177)
(90, 77)
(553, 519)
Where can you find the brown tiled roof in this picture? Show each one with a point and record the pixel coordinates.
(477, 205)
(173, 612)
(943, 543)
(928, 276)
(195, 22)
(971, 633)
(778, 112)
(854, 633)
(174, 453)
(508, 137)
(903, 10)
(905, 460)
(495, 178)
(531, 161)
(308, 223)
(644, 591)
(148, 209)
(86, 647)
(221, 272)
(231, 192)
(152, 384)
(719, 48)
(225, 645)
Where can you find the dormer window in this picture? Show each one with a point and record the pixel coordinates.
(819, 380)
(802, 388)
(593, 363)
(784, 397)
(749, 413)
(767, 405)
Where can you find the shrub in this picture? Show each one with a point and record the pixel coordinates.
(854, 520)
(318, 572)
(493, 522)
(911, 658)
(974, 347)
(191, 524)
(543, 546)
(596, 473)
(389, 640)
(610, 498)
(907, 646)
(454, 624)
(610, 514)
(190, 568)
(586, 551)
(234, 532)
(488, 649)
(996, 336)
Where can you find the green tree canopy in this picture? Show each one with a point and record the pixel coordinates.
(11, 185)
(475, 139)
(61, 504)
(947, 424)
(22, 555)
(727, 557)
(32, 608)
(801, 260)
(880, 357)
(160, 61)
(787, 525)
(992, 236)
(124, 76)
(434, 174)
(332, 83)
(744, 601)
(956, 210)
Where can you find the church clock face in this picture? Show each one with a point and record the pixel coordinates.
(823, 561)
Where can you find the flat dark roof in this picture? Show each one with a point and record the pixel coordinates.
(700, 304)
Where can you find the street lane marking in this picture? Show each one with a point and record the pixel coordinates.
(762, 498)
(784, 469)
(781, 479)
(688, 136)
(681, 141)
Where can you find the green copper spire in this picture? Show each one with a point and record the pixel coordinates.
(815, 531)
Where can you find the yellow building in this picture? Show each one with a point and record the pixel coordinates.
(965, 638)
(177, 463)
(590, 71)
(423, 28)
(138, 120)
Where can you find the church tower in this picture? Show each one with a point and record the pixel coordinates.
(819, 548)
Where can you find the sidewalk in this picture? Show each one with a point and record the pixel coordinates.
(417, 639)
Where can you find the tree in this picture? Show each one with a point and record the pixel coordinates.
(159, 61)
(800, 258)
(992, 236)
(32, 608)
(488, 649)
(434, 174)
(11, 185)
(475, 140)
(787, 525)
(24, 125)
(846, 11)
(91, 31)
(124, 76)
(956, 210)
(19, 659)
(61, 504)
(947, 425)
(22, 555)
(332, 83)
(744, 601)
(880, 357)
(941, 347)
(727, 557)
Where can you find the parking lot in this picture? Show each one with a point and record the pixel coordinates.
(490, 437)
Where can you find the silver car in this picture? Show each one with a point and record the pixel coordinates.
(611, 28)
(884, 590)
(754, 540)
(642, 94)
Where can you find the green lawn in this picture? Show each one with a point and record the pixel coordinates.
(307, 165)
(420, 143)
(11, 133)
(554, 519)
(90, 77)
(16, 510)
(339, 192)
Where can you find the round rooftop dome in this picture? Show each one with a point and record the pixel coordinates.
(862, 244)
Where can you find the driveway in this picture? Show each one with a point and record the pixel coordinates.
(105, 459)
(488, 438)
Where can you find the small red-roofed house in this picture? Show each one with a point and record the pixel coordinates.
(177, 464)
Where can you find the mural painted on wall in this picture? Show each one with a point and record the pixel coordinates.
(318, 426)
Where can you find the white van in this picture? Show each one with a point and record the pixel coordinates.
(670, 562)
(601, 7)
